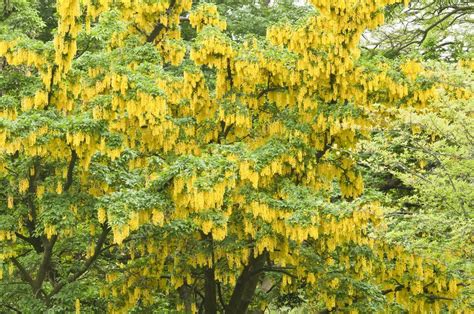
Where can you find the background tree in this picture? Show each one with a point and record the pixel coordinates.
(246, 17)
(421, 164)
(433, 29)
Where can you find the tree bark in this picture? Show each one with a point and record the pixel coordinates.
(210, 293)
(246, 285)
(185, 293)
(45, 265)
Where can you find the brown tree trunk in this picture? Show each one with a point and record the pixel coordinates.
(185, 293)
(246, 285)
(210, 292)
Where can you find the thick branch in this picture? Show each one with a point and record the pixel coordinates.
(397, 288)
(34, 241)
(23, 272)
(246, 285)
(229, 74)
(185, 293)
(326, 148)
(210, 293)
(274, 269)
(70, 171)
(45, 263)
(30, 224)
(51, 85)
(456, 10)
(97, 250)
(11, 308)
(221, 296)
(270, 89)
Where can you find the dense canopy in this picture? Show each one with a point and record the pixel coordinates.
(153, 160)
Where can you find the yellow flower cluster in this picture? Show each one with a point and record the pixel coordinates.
(411, 69)
(50, 230)
(65, 40)
(6, 235)
(195, 89)
(457, 92)
(94, 9)
(213, 51)
(206, 14)
(467, 63)
(22, 56)
(145, 12)
(146, 15)
(353, 11)
(135, 220)
(173, 52)
(421, 97)
(426, 279)
(39, 101)
(188, 198)
(5, 46)
(241, 122)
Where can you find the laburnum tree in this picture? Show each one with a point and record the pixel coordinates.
(140, 170)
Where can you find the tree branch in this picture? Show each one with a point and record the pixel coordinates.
(221, 298)
(34, 241)
(97, 250)
(45, 265)
(23, 272)
(274, 269)
(424, 33)
(70, 171)
(11, 308)
(270, 89)
(229, 74)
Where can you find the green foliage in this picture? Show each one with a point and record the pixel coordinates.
(431, 29)
(422, 164)
(246, 17)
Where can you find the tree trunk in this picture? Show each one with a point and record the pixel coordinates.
(246, 285)
(210, 292)
(185, 293)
